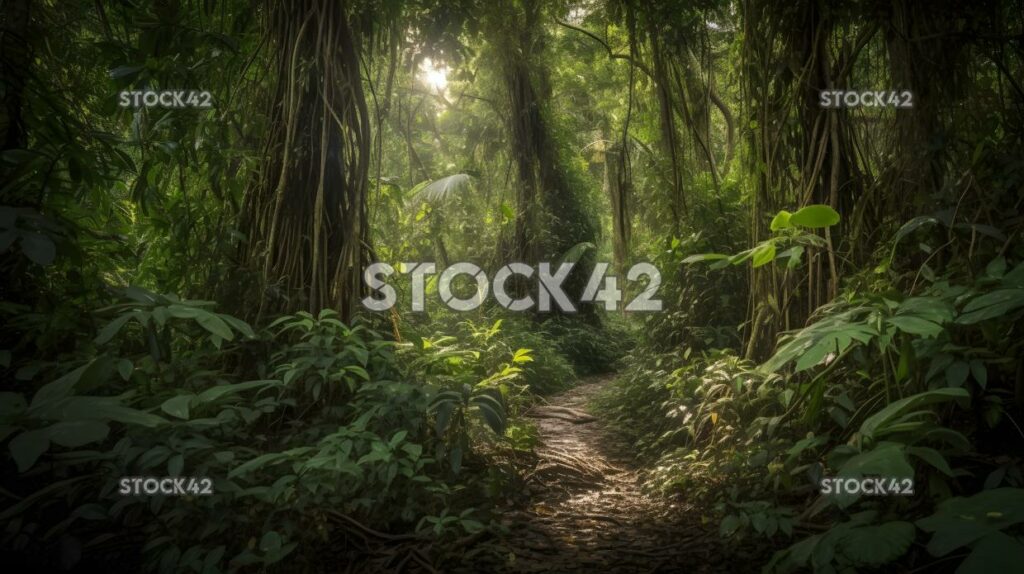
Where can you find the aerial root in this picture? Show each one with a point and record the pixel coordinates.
(561, 413)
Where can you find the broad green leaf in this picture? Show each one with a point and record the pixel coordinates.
(39, 248)
(810, 345)
(443, 415)
(107, 333)
(886, 459)
(258, 462)
(125, 368)
(875, 545)
(793, 255)
(180, 311)
(178, 406)
(27, 447)
(442, 189)
(213, 393)
(175, 464)
(996, 552)
(60, 388)
(215, 325)
(763, 254)
(960, 521)
(238, 325)
(815, 216)
(991, 305)
(932, 457)
(913, 225)
(979, 372)
(878, 422)
(956, 373)
(74, 434)
(106, 409)
(915, 326)
(780, 221)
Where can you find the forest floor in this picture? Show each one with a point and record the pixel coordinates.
(587, 511)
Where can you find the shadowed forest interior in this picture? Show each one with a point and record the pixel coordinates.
(791, 242)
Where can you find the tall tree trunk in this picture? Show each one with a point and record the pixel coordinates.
(551, 218)
(306, 217)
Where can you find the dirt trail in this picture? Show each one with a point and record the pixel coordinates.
(587, 512)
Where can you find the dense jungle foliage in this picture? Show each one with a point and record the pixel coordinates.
(842, 287)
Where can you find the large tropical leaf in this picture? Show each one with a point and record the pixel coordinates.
(442, 189)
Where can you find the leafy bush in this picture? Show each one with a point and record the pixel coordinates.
(332, 403)
(881, 382)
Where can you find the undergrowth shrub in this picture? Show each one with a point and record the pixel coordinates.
(898, 377)
(293, 432)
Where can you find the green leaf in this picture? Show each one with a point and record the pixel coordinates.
(704, 257)
(125, 368)
(254, 463)
(911, 226)
(763, 254)
(793, 254)
(956, 374)
(877, 423)
(915, 326)
(810, 345)
(443, 416)
(574, 253)
(175, 465)
(996, 552)
(38, 248)
(815, 216)
(12, 404)
(886, 459)
(876, 545)
(60, 388)
(125, 71)
(27, 447)
(106, 409)
(440, 190)
(729, 525)
(73, 434)
(397, 438)
(179, 311)
(991, 305)
(358, 371)
(271, 542)
(455, 459)
(781, 221)
(178, 406)
(215, 325)
(996, 268)
(932, 457)
(492, 417)
(238, 325)
(112, 328)
(216, 392)
(960, 521)
(979, 372)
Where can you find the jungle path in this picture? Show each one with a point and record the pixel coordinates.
(586, 509)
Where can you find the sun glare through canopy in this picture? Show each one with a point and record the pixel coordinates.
(434, 76)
